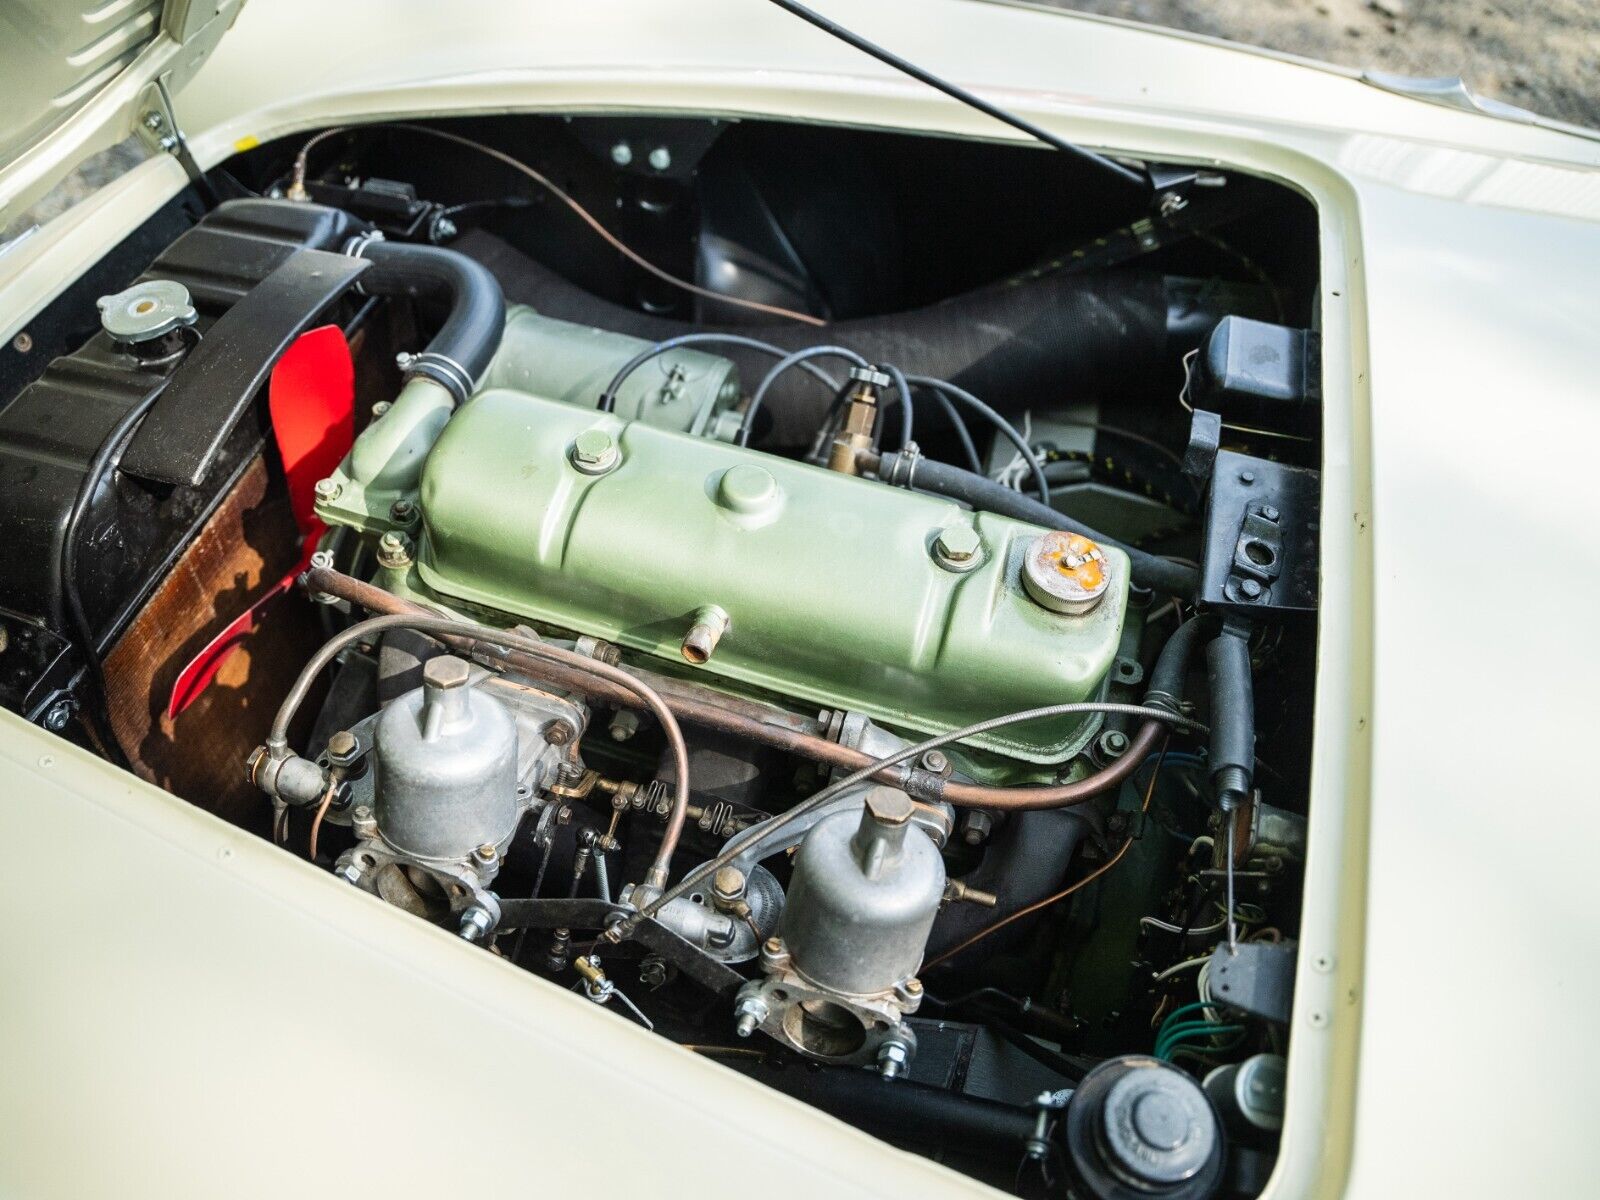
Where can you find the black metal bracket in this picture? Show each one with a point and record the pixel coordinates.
(179, 440)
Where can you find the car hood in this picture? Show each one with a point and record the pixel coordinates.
(82, 76)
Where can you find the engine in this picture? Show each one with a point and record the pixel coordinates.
(768, 685)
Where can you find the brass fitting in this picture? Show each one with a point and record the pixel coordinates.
(860, 418)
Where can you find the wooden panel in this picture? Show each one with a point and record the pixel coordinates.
(246, 546)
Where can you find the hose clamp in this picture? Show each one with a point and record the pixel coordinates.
(443, 370)
(356, 248)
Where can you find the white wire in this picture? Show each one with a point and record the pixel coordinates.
(1014, 472)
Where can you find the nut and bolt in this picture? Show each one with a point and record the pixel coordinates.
(350, 873)
(935, 762)
(660, 158)
(403, 511)
(594, 452)
(476, 923)
(342, 748)
(394, 550)
(622, 154)
(892, 1058)
(958, 548)
(624, 725)
(727, 886)
(976, 828)
(1112, 744)
(328, 490)
(559, 733)
(749, 1013)
(59, 716)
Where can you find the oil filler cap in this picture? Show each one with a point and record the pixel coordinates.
(1066, 572)
(1138, 1125)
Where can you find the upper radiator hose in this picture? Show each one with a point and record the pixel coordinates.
(460, 352)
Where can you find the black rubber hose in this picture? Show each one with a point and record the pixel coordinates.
(1232, 750)
(901, 1111)
(1165, 685)
(1089, 334)
(926, 475)
(459, 352)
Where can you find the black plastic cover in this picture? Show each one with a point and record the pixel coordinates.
(1261, 537)
(1255, 373)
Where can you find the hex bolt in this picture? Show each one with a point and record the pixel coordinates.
(1268, 513)
(154, 121)
(1250, 589)
(328, 490)
(889, 806)
(624, 725)
(660, 158)
(749, 1013)
(622, 154)
(935, 762)
(700, 643)
(1112, 744)
(403, 511)
(976, 828)
(394, 550)
(559, 733)
(381, 407)
(594, 452)
(350, 873)
(727, 886)
(476, 923)
(59, 716)
(958, 548)
(892, 1058)
(342, 747)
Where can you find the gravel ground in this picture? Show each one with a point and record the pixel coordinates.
(1542, 55)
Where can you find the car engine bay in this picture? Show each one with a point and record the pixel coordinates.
(842, 600)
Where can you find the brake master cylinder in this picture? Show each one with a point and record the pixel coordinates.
(841, 974)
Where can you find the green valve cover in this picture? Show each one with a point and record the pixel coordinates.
(829, 583)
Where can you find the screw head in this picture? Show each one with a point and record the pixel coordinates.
(1250, 589)
(381, 407)
(23, 342)
(594, 452)
(660, 158)
(1247, 477)
(622, 154)
(403, 511)
(1268, 513)
(154, 121)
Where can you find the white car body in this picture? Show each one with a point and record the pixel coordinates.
(190, 1011)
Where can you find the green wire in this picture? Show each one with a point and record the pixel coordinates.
(1184, 1033)
(1179, 1011)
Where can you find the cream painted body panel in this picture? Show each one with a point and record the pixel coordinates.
(1460, 265)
